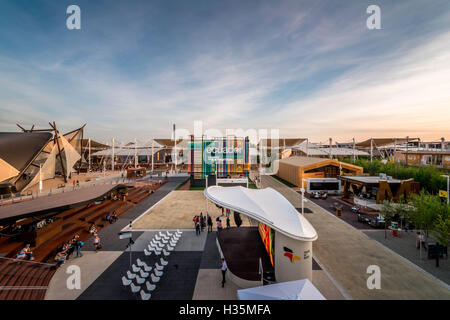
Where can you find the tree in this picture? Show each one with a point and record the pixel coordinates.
(388, 212)
(426, 209)
(441, 231)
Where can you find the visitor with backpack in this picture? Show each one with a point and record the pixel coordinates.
(78, 246)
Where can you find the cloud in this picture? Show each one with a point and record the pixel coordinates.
(295, 66)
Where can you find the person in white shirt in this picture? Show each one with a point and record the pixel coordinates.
(224, 271)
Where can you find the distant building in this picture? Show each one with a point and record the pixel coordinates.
(435, 157)
(217, 158)
(299, 169)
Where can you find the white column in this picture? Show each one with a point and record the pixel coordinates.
(307, 146)
(395, 150)
(153, 155)
(135, 153)
(112, 156)
(371, 149)
(40, 177)
(330, 148)
(205, 197)
(89, 155)
(448, 188)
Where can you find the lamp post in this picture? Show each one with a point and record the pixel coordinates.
(448, 187)
(302, 190)
(206, 184)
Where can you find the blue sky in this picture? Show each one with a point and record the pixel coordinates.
(308, 68)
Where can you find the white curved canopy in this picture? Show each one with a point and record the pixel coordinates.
(265, 205)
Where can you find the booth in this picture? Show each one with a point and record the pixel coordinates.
(286, 235)
(136, 172)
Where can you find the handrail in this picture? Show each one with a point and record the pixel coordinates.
(20, 260)
(21, 197)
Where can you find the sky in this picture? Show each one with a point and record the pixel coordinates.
(307, 68)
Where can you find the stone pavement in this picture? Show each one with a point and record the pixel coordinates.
(91, 266)
(347, 252)
(405, 245)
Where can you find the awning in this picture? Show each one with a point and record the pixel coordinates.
(264, 205)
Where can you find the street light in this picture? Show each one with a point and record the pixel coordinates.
(448, 187)
(302, 190)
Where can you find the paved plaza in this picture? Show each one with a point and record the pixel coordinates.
(177, 209)
(347, 252)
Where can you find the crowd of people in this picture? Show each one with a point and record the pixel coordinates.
(201, 222)
(111, 217)
(64, 252)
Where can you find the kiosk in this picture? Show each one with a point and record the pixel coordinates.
(286, 235)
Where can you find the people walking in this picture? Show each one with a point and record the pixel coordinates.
(79, 245)
(224, 269)
(201, 220)
(197, 228)
(219, 225)
(97, 244)
(228, 222)
(210, 223)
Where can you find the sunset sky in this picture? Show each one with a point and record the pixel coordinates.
(308, 68)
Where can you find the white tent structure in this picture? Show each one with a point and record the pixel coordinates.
(293, 232)
(265, 205)
(315, 150)
(291, 290)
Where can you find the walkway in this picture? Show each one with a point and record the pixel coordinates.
(347, 252)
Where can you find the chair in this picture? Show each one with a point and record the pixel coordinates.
(150, 287)
(140, 263)
(164, 236)
(130, 275)
(170, 248)
(158, 273)
(147, 268)
(157, 237)
(135, 269)
(134, 288)
(140, 280)
(165, 252)
(154, 278)
(158, 267)
(169, 233)
(164, 262)
(153, 244)
(164, 241)
(147, 253)
(173, 244)
(125, 281)
(145, 296)
(144, 274)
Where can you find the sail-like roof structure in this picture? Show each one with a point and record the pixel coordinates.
(264, 205)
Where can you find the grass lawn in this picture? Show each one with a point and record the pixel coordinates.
(197, 188)
(182, 184)
(290, 185)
